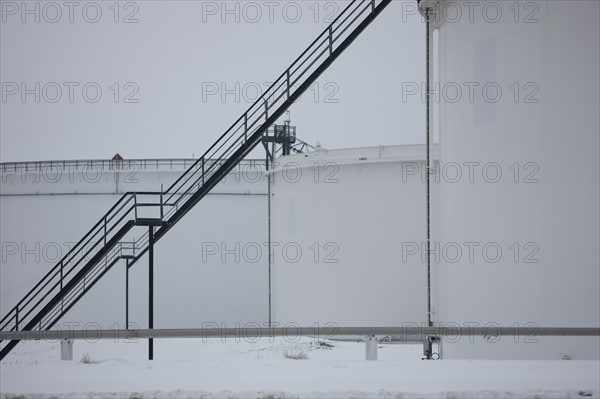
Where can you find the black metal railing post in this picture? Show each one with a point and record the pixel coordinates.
(266, 109)
(330, 39)
(162, 214)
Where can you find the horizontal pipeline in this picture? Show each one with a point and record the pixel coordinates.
(406, 333)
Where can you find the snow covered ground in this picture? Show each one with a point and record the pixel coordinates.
(191, 368)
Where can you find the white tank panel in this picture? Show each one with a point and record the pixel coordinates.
(542, 212)
(349, 212)
(201, 274)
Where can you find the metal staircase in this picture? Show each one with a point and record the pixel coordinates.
(109, 241)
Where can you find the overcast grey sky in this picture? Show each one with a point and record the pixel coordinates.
(162, 67)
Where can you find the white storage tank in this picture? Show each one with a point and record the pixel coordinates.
(201, 271)
(524, 131)
(340, 220)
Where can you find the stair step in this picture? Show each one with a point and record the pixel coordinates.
(149, 222)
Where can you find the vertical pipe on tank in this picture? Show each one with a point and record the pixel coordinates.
(429, 130)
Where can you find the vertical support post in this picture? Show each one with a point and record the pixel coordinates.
(269, 182)
(17, 318)
(127, 294)
(66, 349)
(151, 290)
(371, 347)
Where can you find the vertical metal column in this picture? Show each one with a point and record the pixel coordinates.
(127, 294)
(429, 54)
(150, 290)
(269, 177)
